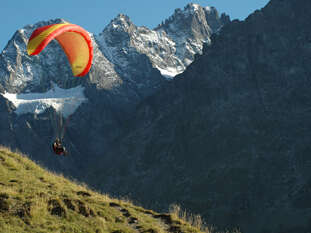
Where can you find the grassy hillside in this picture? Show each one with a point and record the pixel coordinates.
(35, 200)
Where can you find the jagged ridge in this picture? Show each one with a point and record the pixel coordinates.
(120, 53)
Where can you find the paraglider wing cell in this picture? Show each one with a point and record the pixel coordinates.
(74, 40)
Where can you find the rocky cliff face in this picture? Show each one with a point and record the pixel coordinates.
(170, 47)
(229, 138)
(202, 22)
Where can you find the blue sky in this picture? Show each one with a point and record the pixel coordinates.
(94, 15)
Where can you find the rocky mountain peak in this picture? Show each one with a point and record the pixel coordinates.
(20, 72)
(192, 14)
(170, 47)
(214, 20)
(20, 38)
(118, 31)
(189, 29)
(117, 50)
(121, 23)
(180, 16)
(192, 8)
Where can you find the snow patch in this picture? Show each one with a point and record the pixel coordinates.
(208, 9)
(169, 72)
(195, 6)
(64, 101)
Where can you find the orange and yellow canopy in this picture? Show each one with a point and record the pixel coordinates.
(74, 40)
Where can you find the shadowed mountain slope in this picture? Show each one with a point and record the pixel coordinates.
(230, 137)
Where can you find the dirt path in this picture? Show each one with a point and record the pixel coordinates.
(162, 221)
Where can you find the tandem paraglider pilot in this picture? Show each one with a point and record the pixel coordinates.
(58, 148)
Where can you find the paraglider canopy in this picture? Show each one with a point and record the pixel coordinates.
(74, 40)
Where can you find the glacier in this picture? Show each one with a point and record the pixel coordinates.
(64, 101)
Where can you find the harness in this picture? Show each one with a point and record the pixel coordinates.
(59, 150)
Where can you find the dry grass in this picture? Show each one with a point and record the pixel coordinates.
(194, 220)
(33, 199)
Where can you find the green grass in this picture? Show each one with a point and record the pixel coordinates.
(35, 200)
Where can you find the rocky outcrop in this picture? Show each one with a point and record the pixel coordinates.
(202, 21)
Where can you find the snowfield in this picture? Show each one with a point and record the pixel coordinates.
(64, 101)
